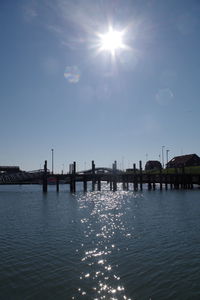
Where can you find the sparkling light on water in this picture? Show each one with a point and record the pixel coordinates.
(98, 263)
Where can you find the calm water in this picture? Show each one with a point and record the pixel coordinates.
(99, 245)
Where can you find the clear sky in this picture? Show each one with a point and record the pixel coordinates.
(59, 90)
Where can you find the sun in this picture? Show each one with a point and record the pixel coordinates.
(111, 41)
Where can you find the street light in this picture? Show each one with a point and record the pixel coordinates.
(167, 151)
(52, 159)
(122, 163)
(163, 156)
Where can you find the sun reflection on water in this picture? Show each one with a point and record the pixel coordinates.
(102, 226)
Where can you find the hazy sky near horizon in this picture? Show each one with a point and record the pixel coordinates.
(59, 91)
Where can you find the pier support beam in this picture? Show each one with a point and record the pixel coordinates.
(114, 185)
(135, 179)
(45, 177)
(149, 186)
(93, 175)
(127, 185)
(73, 179)
(140, 165)
(166, 182)
(160, 179)
(176, 179)
(85, 185)
(57, 184)
(114, 176)
(99, 184)
(154, 185)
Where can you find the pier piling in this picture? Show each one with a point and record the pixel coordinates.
(99, 184)
(135, 182)
(57, 184)
(93, 175)
(45, 177)
(73, 178)
(160, 175)
(85, 185)
(140, 166)
(114, 176)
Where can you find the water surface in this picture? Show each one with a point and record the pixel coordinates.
(99, 245)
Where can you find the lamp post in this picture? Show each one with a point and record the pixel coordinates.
(167, 152)
(52, 159)
(163, 156)
(122, 163)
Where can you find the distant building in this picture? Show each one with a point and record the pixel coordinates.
(153, 165)
(9, 169)
(188, 160)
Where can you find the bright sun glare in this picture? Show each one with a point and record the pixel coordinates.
(111, 41)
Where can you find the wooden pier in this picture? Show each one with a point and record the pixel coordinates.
(134, 179)
(113, 176)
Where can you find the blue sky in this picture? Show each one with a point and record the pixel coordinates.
(59, 91)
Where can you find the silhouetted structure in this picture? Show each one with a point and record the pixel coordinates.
(188, 160)
(153, 165)
(113, 177)
(9, 169)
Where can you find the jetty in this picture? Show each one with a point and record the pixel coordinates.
(133, 178)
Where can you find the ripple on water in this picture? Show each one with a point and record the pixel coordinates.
(101, 276)
(99, 245)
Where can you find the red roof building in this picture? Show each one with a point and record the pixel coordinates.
(188, 160)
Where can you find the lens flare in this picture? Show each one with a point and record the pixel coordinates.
(72, 74)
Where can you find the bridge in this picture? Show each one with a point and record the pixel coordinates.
(100, 170)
